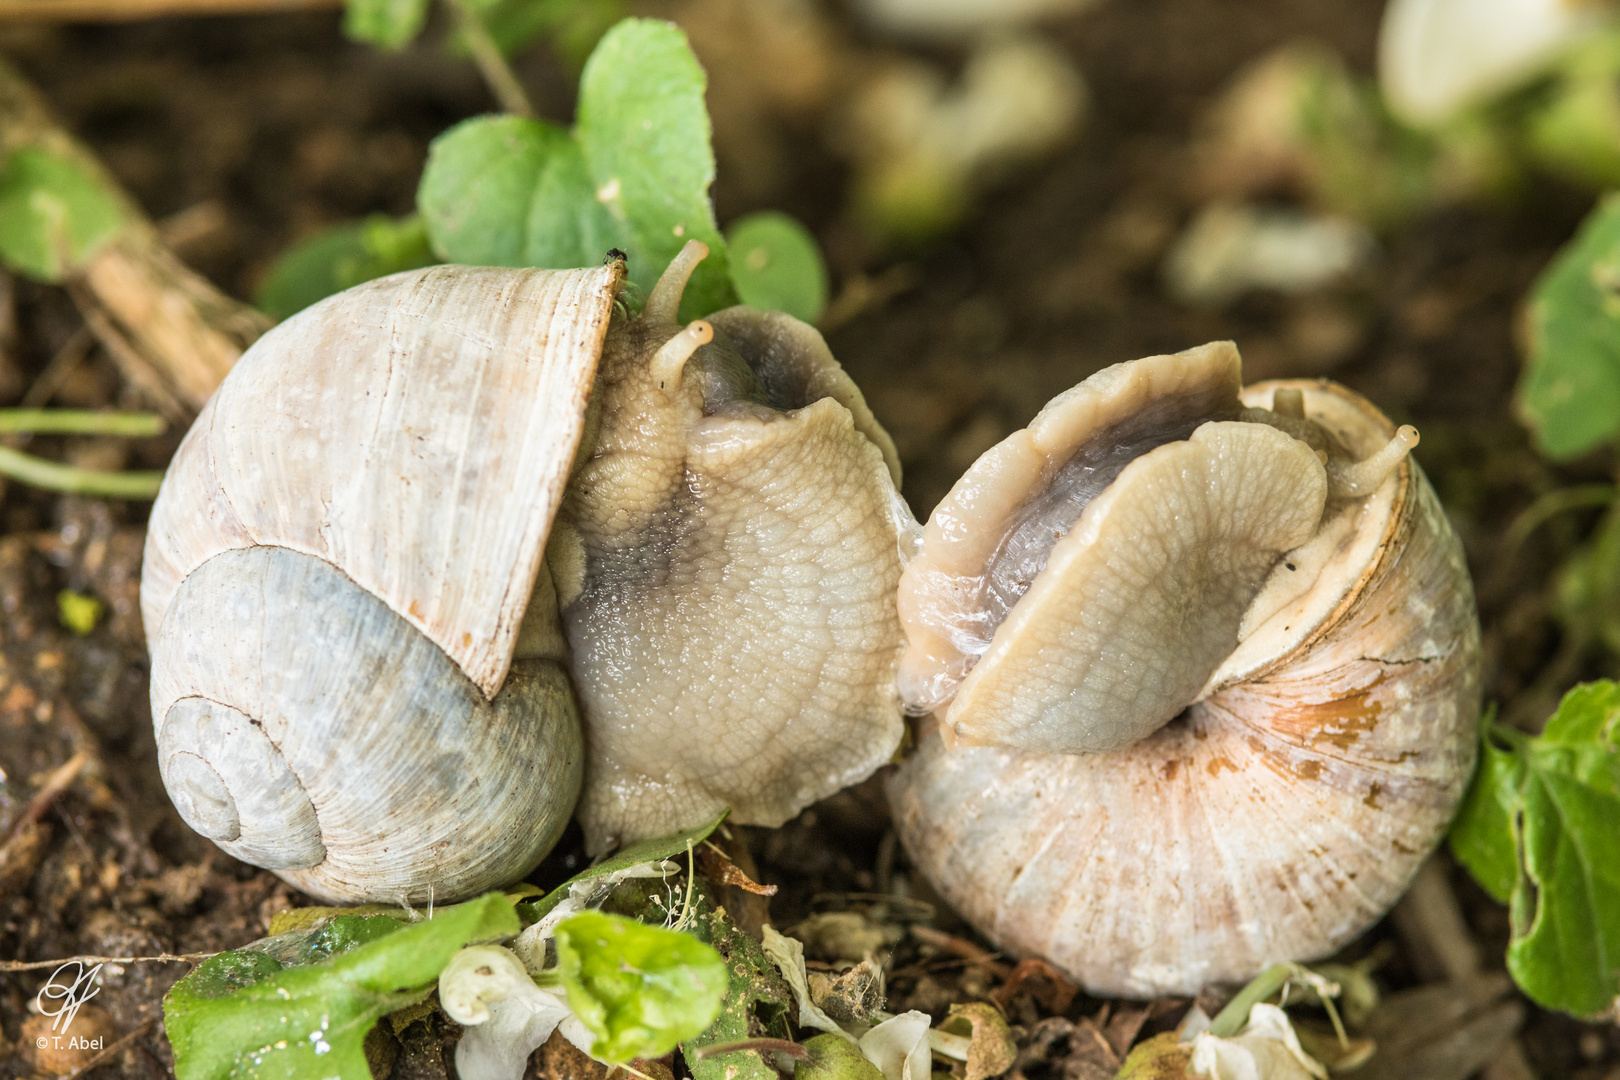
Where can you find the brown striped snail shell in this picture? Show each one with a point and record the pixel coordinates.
(421, 516)
(1205, 669)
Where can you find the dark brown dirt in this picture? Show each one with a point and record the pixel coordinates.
(246, 133)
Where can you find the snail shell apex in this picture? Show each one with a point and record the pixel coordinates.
(1287, 806)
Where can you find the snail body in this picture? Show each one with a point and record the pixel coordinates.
(419, 517)
(1145, 837)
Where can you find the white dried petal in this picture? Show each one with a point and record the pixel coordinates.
(508, 1017)
(1438, 57)
(478, 976)
(1266, 1049)
(788, 956)
(899, 1046)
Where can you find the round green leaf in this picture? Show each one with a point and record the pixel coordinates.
(777, 266)
(1570, 392)
(53, 214)
(639, 989)
(341, 257)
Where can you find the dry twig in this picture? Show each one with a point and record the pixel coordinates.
(132, 10)
(161, 958)
(171, 332)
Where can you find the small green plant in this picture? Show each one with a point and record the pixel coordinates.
(300, 1003)
(632, 174)
(639, 989)
(1570, 392)
(53, 213)
(1537, 830)
(510, 26)
(249, 1013)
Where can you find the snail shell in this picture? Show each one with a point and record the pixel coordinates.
(1146, 838)
(420, 515)
(353, 529)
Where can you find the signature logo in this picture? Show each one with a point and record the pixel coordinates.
(65, 993)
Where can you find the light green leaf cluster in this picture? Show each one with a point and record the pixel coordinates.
(573, 26)
(1537, 830)
(54, 213)
(639, 989)
(341, 257)
(633, 174)
(1570, 393)
(245, 1014)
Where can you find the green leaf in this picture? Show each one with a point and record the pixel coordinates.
(643, 851)
(479, 183)
(387, 24)
(639, 989)
(833, 1057)
(1482, 835)
(573, 26)
(54, 214)
(1570, 392)
(757, 999)
(241, 1014)
(776, 265)
(645, 132)
(1560, 794)
(633, 174)
(341, 257)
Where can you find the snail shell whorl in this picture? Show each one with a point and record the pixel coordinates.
(1277, 817)
(337, 572)
(270, 743)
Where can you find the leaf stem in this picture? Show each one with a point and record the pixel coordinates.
(503, 82)
(1231, 1019)
(781, 1046)
(82, 422)
(1550, 505)
(76, 481)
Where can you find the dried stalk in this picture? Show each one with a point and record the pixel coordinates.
(44, 965)
(131, 10)
(169, 331)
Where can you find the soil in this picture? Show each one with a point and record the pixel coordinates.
(242, 134)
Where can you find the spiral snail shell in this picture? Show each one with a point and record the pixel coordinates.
(420, 517)
(1204, 666)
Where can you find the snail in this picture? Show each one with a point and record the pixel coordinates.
(1205, 673)
(421, 519)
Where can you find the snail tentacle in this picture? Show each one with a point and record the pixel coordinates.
(664, 301)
